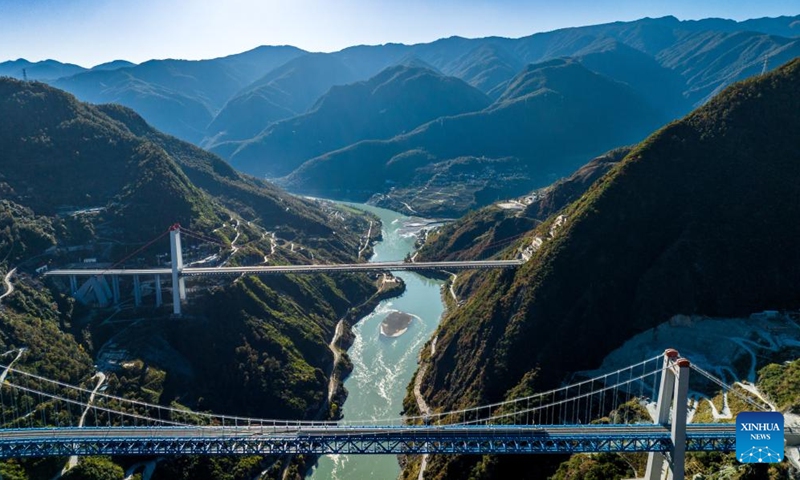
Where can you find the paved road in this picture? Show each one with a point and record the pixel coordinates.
(283, 269)
(101, 378)
(9, 285)
(4, 374)
(280, 440)
(531, 431)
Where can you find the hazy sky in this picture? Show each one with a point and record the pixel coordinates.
(88, 32)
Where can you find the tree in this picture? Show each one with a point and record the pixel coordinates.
(95, 468)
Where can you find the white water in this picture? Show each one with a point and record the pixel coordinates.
(383, 367)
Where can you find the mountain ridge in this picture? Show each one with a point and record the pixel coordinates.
(697, 219)
(397, 99)
(517, 135)
(180, 97)
(256, 346)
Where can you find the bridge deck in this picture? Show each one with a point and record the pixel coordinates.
(283, 269)
(260, 440)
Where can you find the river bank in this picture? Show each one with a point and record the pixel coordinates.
(343, 340)
(382, 367)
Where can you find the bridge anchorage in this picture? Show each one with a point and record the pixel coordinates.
(97, 285)
(43, 417)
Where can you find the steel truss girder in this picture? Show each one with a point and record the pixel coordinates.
(390, 443)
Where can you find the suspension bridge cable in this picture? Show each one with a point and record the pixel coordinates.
(565, 401)
(102, 409)
(140, 249)
(730, 388)
(177, 411)
(553, 405)
(553, 392)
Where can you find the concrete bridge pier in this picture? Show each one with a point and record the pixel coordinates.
(137, 291)
(73, 284)
(115, 288)
(157, 286)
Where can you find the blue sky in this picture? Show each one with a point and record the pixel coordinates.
(88, 32)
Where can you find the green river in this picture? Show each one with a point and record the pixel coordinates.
(383, 367)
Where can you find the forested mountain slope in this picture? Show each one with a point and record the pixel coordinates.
(82, 181)
(697, 219)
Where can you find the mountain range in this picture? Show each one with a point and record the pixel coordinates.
(698, 219)
(245, 107)
(549, 119)
(79, 181)
(179, 97)
(393, 102)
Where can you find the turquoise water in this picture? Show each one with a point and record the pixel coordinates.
(383, 368)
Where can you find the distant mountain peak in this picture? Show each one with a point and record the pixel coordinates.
(113, 65)
(397, 100)
(413, 61)
(564, 75)
(401, 73)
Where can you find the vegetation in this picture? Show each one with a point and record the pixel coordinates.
(251, 347)
(207, 468)
(781, 382)
(534, 133)
(272, 108)
(33, 318)
(392, 102)
(698, 219)
(95, 468)
(285, 91)
(12, 470)
(489, 230)
(302, 221)
(710, 465)
(659, 234)
(22, 233)
(601, 466)
(699, 466)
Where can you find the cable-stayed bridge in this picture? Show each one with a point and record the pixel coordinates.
(311, 268)
(43, 417)
(97, 284)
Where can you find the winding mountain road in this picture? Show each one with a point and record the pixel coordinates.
(73, 459)
(9, 285)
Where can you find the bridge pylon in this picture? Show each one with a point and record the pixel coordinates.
(178, 283)
(673, 396)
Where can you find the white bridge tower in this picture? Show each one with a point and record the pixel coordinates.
(178, 284)
(672, 397)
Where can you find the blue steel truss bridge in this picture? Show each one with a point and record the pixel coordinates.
(42, 417)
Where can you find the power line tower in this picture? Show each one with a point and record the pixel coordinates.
(24, 75)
